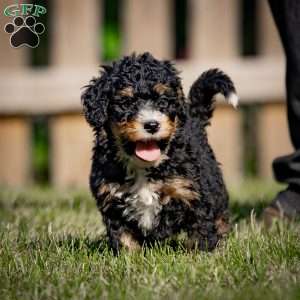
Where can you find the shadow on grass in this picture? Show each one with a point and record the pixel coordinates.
(240, 211)
(100, 245)
(92, 246)
(71, 244)
(77, 245)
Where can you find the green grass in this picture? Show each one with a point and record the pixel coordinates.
(52, 247)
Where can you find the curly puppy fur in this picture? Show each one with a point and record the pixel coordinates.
(153, 171)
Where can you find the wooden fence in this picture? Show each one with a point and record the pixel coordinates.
(54, 91)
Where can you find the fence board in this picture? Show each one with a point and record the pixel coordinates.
(58, 90)
(76, 32)
(71, 144)
(213, 29)
(10, 58)
(268, 38)
(15, 151)
(273, 136)
(147, 26)
(225, 136)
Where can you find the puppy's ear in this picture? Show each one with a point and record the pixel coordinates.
(175, 82)
(95, 99)
(181, 104)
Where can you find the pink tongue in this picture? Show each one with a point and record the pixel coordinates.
(148, 151)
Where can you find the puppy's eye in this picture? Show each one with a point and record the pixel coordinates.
(124, 95)
(127, 117)
(165, 101)
(121, 99)
(162, 103)
(172, 115)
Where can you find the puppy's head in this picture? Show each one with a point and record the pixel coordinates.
(139, 102)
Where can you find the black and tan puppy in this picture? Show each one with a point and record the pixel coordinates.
(153, 171)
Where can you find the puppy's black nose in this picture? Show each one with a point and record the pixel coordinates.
(152, 126)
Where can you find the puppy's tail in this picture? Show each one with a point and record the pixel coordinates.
(204, 91)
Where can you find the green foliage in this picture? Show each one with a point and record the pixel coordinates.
(111, 42)
(52, 247)
(111, 39)
(40, 150)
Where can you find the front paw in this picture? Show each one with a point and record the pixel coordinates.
(124, 241)
(128, 242)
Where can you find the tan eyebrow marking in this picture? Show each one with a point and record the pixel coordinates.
(126, 92)
(161, 88)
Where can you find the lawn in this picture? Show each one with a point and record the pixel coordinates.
(52, 247)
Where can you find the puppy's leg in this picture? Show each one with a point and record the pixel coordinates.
(129, 242)
(109, 203)
(205, 233)
(119, 232)
(202, 236)
(120, 236)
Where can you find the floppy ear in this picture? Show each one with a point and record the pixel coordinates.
(174, 81)
(182, 105)
(95, 100)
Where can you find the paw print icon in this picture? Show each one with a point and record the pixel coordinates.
(24, 32)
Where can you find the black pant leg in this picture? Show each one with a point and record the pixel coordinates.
(286, 14)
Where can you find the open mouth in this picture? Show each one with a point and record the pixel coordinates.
(147, 150)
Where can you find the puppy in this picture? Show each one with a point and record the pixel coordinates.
(153, 171)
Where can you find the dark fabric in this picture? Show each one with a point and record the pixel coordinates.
(286, 14)
(288, 202)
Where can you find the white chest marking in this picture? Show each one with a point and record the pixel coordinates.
(143, 203)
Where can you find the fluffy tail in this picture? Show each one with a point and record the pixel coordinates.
(204, 91)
